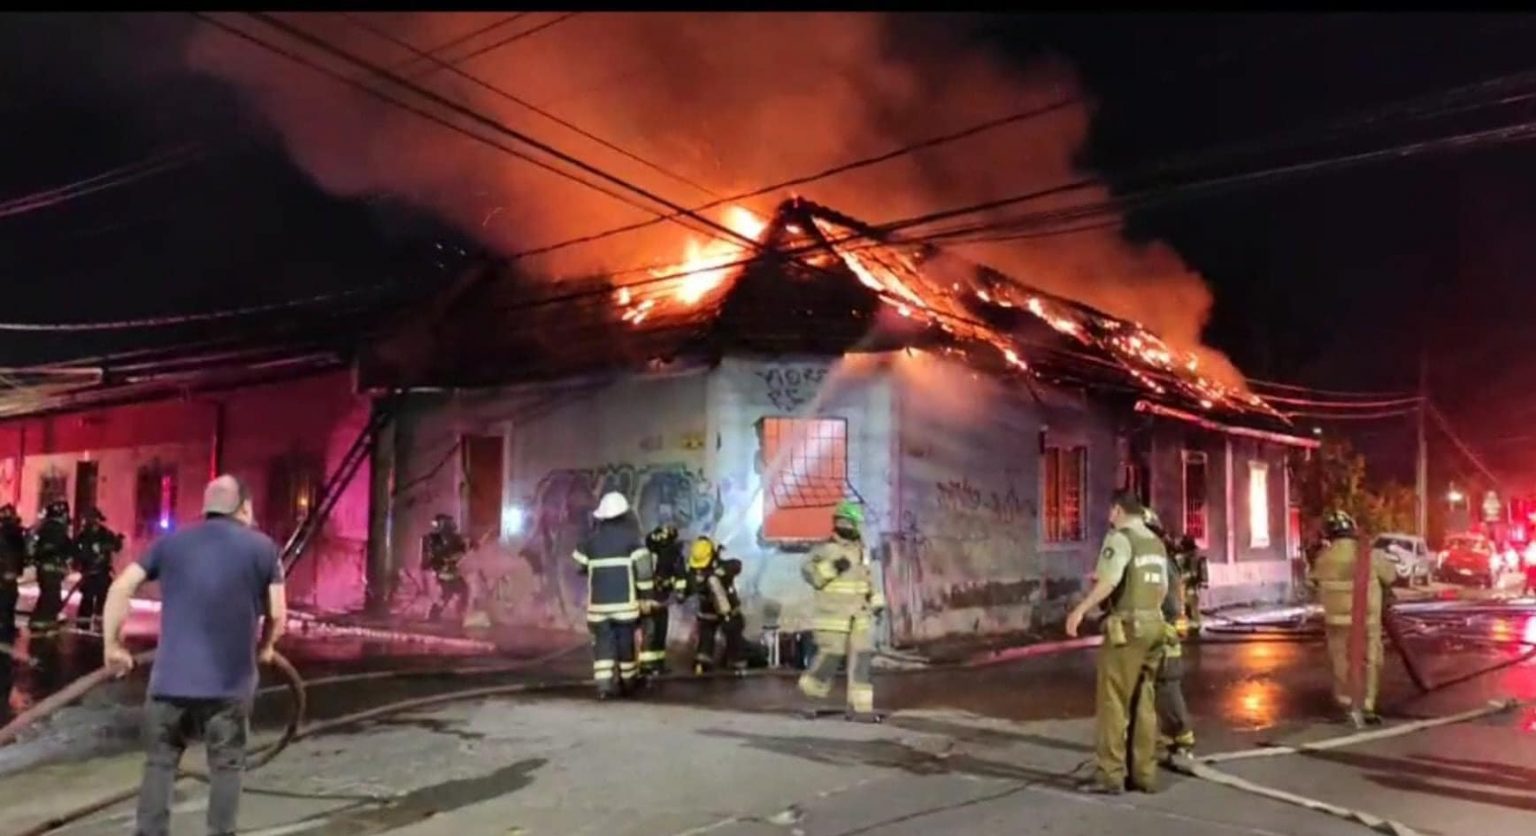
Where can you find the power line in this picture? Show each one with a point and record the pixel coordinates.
(185, 319)
(1291, 387)
(1445, 427)
(517, 37)
(469, 36)
(1350, 416)
(361, 85)
(123, 175)
(494, 125)
(1344, 404)
(844, 168)
(357, 20)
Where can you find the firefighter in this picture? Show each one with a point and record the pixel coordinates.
(1176, 731)
(615, 561)
(1333, 579)
(846, 603)
(442, 550)
(1193, 575)
(1132, 575)
(52, 552)
(96, 547)
(667, 553)
(13, 561)
(713, 581)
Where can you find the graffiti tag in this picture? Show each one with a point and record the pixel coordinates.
(791, 387)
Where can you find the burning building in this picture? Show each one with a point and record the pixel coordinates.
(741, 394)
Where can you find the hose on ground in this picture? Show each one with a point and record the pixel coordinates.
(294, 732)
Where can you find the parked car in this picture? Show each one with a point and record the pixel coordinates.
(1470, 559)
(1409, 554)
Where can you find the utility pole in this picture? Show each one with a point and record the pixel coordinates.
(1421, 517)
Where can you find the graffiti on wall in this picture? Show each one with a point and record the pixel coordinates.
(560, 513)
(790, 387)
(966, 545)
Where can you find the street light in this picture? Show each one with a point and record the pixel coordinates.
(1454, 496)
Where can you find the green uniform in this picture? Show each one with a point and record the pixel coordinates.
(1333, 578)
(1136, 562)
(845, 603)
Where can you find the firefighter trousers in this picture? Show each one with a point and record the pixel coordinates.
(854, 646)
(9, 594)
(1338, 660)
(653, 639)
(50, 601)
(451, 591)
(93, 598)
(731, 628)
(613, 651)
(1126, 708)
(1172, 712)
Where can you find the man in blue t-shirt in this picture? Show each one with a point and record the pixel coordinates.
(218, 580)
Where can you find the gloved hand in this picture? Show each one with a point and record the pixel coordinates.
(1181, 627)
(841, 564)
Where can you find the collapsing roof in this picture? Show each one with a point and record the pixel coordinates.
(819, 283)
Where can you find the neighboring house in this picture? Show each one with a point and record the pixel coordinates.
(984, 424)
(142, 455)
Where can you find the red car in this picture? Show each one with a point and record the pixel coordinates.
(1470, 559)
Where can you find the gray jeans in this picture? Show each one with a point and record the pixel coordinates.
(169, 723)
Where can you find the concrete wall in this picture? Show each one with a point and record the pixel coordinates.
(744, 391)
(566, 445)
(947, 462)
(970, 556)
(318, 416)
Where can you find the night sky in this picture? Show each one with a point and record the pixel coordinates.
(1335, 280)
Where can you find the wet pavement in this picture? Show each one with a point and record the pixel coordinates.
(1249, 685)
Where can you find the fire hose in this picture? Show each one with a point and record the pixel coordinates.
(294, 731)
(1201, 768)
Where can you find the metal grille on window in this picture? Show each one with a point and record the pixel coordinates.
(805, 469)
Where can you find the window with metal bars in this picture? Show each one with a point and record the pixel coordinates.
(1065, 472)
(1195, 496)
(805, 473)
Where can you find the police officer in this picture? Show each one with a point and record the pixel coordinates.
(1133, 576)
(846, 603)
(1193, 575)
(52, 552)
(13, 561)
(614, 559)
(442, 550)
(667, 552)
(712, 580)
(1333, 579)
(1176, 729)
(96, 546)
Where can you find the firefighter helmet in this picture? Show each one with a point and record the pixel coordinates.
(1338, 523)
(850, 511)
(442, 522)
(8, 512)
(702, 553)
(58, 508)
(661, 537)
(93, 515)
(612, 506)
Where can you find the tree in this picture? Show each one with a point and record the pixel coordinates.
(1336, 477)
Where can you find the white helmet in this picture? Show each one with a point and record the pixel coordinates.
(611, 506)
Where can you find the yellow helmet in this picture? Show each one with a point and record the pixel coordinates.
(702, 553)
